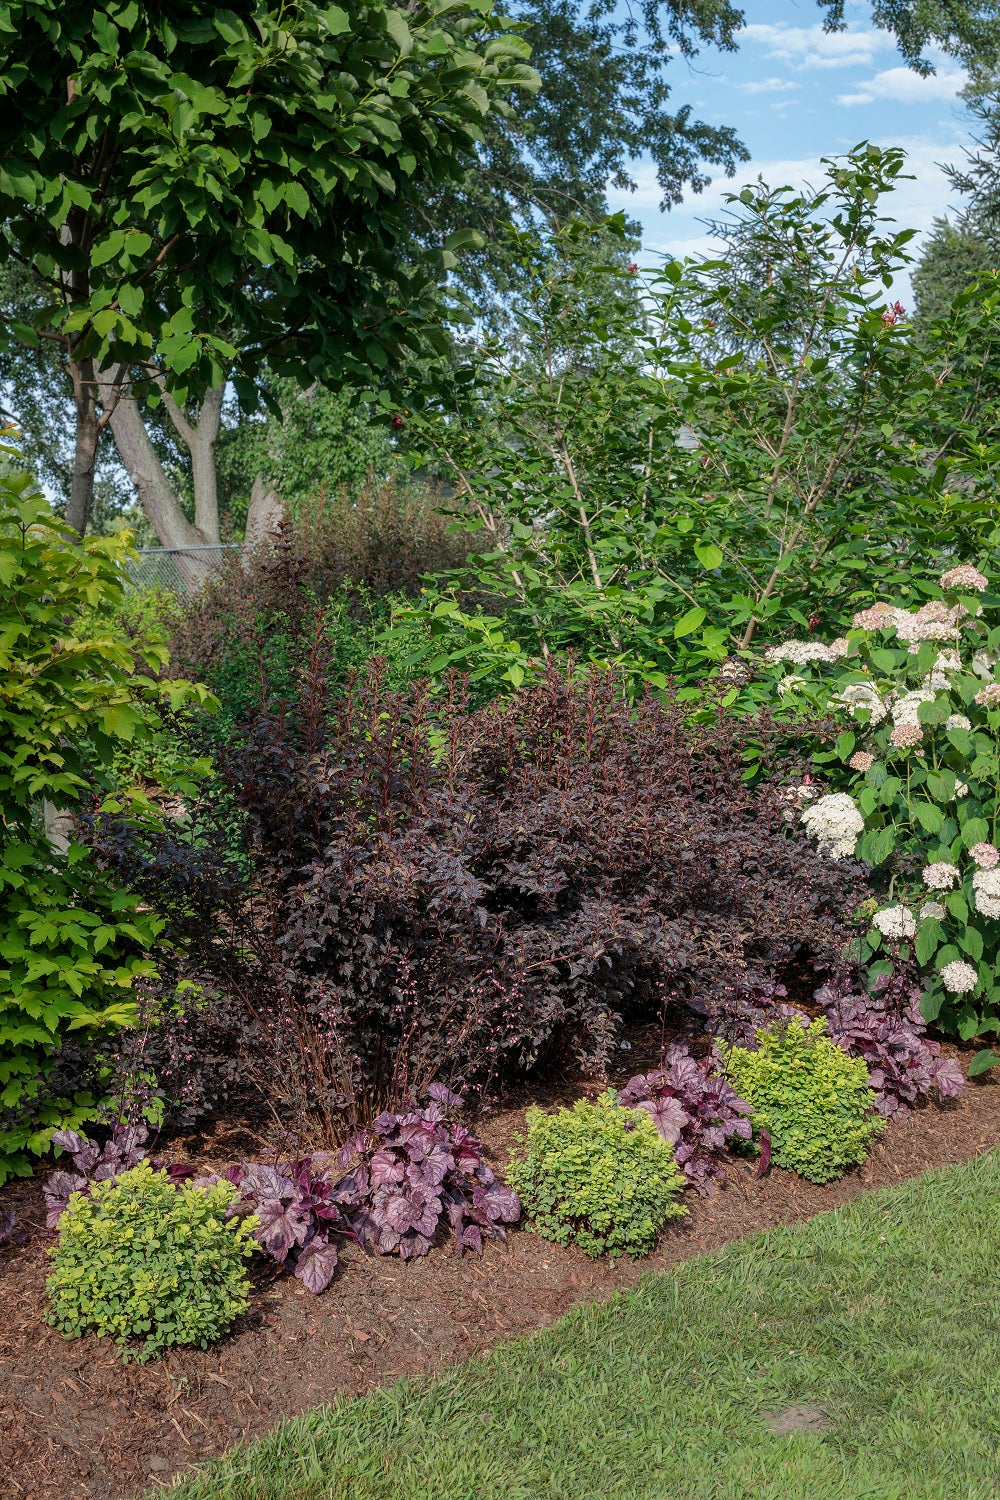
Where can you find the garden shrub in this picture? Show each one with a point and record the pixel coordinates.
(814, 1102)
(143, 1259)
(73, 690)
(598, 1176)
(425, 891)
(913, 785)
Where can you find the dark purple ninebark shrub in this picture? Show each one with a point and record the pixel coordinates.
(694, 1109)
(429, 891)
(888, 1031)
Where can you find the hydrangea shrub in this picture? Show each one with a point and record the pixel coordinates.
(150, 1264)
(815, 1103)
(598, 1176)
(913, 786)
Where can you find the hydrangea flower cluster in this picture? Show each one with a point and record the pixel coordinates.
(913, 785)
(835, 822)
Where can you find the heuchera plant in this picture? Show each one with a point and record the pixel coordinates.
(887, 1030)
(694, 1109)
(407, 1173)
(411, 1171)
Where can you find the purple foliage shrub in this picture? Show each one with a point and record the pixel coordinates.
(888, 1031)
(694, 1109)
(424, 890)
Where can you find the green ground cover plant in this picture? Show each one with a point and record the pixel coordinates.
(881, 1316)
(598, 1176)
(151, 1264)
(815, 1103)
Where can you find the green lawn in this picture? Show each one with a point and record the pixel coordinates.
(884, 1314)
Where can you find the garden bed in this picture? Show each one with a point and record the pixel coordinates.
(75, 1422)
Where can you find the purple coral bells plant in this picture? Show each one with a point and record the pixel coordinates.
(411, 1171)
(888, 1031)
(694, 1109)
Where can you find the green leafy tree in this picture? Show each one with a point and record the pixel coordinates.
(197, 190)
(953, 258)
(659, 478)
(72, 693)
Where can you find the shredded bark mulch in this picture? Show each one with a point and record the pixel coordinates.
(75, 1422)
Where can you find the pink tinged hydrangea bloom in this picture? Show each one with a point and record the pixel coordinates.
(986, 856)
(904, 735)
(958, 977)
(965, 576)
(839, 647)
(989, 697)
(957, 721)
(940, 876)
(861, 761)
(875, 617)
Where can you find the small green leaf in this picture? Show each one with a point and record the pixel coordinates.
(708, 554)
(688, 622)
(982, 1062)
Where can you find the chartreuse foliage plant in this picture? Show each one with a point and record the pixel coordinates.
(881, 1316)
(914, 783)
(73, 691)
(813, 1100)
(150, 1264)
(597, 1176)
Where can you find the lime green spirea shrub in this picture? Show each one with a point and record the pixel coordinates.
(599, 1176)
(813, 1100)
(141, 1259)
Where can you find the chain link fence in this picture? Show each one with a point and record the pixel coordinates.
(163, 567)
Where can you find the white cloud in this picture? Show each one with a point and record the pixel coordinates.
(769, 86)
(903, 86)
(812, 47)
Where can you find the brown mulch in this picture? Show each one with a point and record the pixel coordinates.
(75, 1422)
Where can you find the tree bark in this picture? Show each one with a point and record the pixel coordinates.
(156, 494)
(264, 513)
(81, 496)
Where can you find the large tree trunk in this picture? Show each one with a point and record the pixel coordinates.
(192, 543)
(264, 514)
(81, 496)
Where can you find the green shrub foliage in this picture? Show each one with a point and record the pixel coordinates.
(141, 1259)
(72, 693)
(598, 1176)
(813, 1100)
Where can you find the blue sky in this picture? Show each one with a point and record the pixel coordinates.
(796, 94)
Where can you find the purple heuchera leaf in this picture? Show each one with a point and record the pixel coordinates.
(316, 1264)
(441, 1095)
(282, 1226)
(888, 1031)
(694, 1109)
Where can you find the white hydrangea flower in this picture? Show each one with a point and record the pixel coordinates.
(964, 576)
(799, 652)
(940, 876)
(948, 661)
(895, 922)
(986, 892)
(862, 695)
(906, 709)
(958, 977)
(933, 909)
(986, 856)
(984, 662)
(957, 721)
(835, 822)
(961, 788)
(789, 683)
